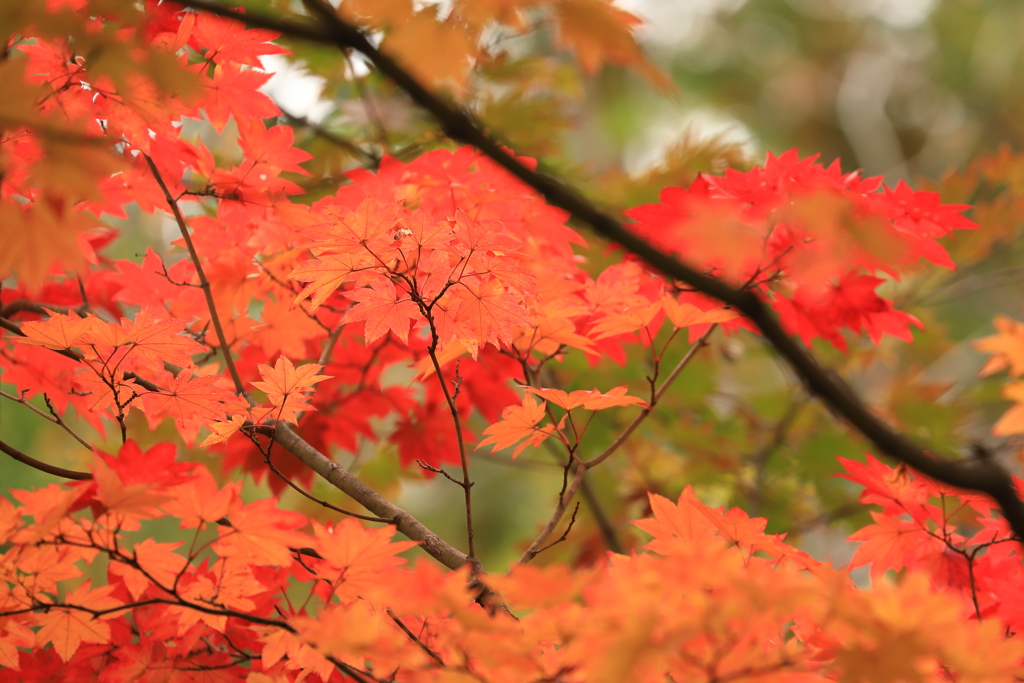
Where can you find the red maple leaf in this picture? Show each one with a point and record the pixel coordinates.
(384, 307)
(235, 91)
(187, 399)
(227, 40)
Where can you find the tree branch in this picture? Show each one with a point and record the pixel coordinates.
(42, 466)
(983, 476)
(51, 416)
(222, 339)
(335, 474)
(760, 458)
(331, 137)
(25, 305)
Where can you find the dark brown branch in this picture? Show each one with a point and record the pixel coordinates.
(42, 466)
(604, 525)
(28, 306)
(760, 458)
(984, 476)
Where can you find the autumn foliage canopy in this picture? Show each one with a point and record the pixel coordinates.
(427, 305)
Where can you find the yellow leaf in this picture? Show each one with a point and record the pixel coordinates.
(600, 33)
(417, 44)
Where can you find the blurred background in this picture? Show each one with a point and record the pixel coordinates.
(925, 91)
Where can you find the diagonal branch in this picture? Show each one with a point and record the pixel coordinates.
(331, 137)
(51, 416)
(983, 476)
(203, 282)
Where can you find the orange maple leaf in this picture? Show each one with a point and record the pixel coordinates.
(148, 339)
(229, 583)
(200, 500)
(284, 384)
(489, 313)
(140, 499)
(156, 342)
(1006, 347)
(187, 398)
(631, 319)
(676, 523)
(552, 327)
(359, 556)
(383, 308)
(1012, 421)
(367, 229)
(158, 560)
(685, 315)
(68, 628)
(261, 533)
(591, 400)
(892, 543)
(59, 331)
(449, 66)
(599, 32)
(278, 644)
(328, 272)
(222, 431)
(518, 423)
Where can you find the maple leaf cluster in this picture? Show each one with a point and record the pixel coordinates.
(810, 240)
(394, 310)
(711, 597)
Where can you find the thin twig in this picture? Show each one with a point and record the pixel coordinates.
(565, 534)
(582, 466)
(701, 342)
(203, 282)
(331, 137)
(760, 458)
(412, 636)
(372, 113)
(325, 356)
(51, 416)
(466, 484)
